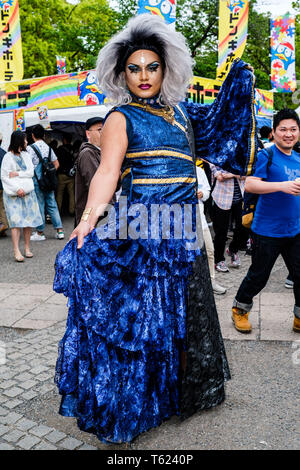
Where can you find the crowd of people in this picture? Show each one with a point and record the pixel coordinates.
(23, 203)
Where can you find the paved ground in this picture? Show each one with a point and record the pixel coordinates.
(261, 410)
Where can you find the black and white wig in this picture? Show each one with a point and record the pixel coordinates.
(151, 33)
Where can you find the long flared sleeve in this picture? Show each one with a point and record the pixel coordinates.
(225, 131)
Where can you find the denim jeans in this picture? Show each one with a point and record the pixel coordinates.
(264, 255)
(220, 219)
(47, 202)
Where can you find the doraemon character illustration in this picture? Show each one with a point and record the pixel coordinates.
(6, 4)
(235, 5)
(284, 55)
(89, 90)
(164, 8)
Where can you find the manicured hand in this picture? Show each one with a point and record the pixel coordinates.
(81, 231)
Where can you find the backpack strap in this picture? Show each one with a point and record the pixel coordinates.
(38, 153)
(270, 158)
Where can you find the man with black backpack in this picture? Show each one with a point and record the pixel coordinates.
(276, 223)
(45, 181)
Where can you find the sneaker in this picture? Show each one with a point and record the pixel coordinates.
(289, 284)
(60, 235)
(218, 289)
(240, 320)
(235, 259)
(221, 267)
(36, 237)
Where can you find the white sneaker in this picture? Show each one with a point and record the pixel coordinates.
(289, 284)
(218, 289)
(222, 267)
(60, 235)
(36, 237)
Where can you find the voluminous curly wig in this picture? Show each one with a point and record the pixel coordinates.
(146, 32)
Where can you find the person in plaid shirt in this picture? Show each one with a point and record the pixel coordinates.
(227, 201)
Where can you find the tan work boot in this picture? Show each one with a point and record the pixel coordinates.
(296, 326)
(240, 320)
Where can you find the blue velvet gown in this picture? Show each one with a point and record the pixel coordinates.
(142, 340)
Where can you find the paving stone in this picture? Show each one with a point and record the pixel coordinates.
(3, 429)
(8, 384)
(11, 418)
(23, 377)
(29, 395)
(28, 384)
(23, 367)
(15, 355)
(25, 424)
(45, 446)
(38, 370)
(41, 430)
(44, 377)
(87, 447)
(12, 404)
(28, 442)
(70, 443)
(13, 436)
(13, 392)
(6, 447)
(3, 411)
(46, 388)
(55, 436)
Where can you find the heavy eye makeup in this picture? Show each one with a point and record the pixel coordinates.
(153, 67)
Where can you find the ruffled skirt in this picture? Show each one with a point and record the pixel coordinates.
(142, 340)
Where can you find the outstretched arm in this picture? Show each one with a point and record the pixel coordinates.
(258, 186)
(114, 144)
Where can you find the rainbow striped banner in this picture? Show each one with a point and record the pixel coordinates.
(57, 91)
(11, 57)
(263, 103)
(164, 8)
(233, 30)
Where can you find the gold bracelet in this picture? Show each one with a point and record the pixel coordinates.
(86, 213)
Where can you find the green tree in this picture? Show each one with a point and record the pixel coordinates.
(55, 27)
(39, 36)
(89, 26)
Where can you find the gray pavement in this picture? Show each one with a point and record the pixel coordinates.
(262, 406)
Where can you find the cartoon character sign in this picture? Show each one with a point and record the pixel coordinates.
(235, 5)
(164, 8)
(89, 90)
(6, 4)
(283, 75)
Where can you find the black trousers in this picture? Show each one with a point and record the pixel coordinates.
(221, 219)
(264, 255)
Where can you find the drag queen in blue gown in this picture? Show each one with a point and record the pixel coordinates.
(143, 340)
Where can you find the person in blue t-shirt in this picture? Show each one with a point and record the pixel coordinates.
(276, 224)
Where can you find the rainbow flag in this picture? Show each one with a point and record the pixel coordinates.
(283, 73)
(166, 9)
(11, 56)
(233, 30)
